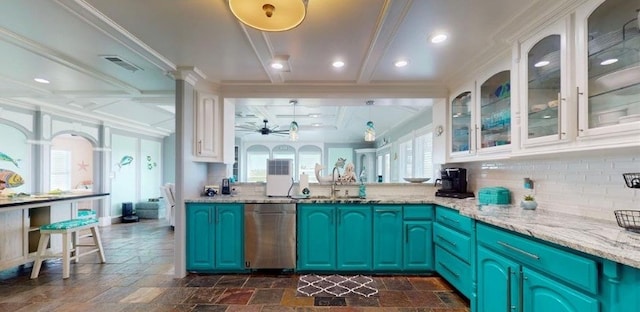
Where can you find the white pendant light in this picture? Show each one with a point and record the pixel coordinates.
(270, 15)
(370, 131)
(293, 127)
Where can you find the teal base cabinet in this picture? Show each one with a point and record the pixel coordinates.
(354, 238)
(387, 238)
(418, 252)
(316, 237)
(214, 237)
(454, 239)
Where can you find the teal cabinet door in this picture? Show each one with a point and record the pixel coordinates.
(200, 237)
(418, 246)
(354, 238)
(316, 237)
(229, 235)
(542, 294)
(498, 283)
(387, 238)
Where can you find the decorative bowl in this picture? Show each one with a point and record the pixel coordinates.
(417, 180)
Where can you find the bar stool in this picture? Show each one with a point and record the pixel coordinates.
(70, 246)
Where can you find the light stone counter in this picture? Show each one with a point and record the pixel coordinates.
(595, 237)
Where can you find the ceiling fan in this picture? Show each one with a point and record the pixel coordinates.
(265, 130)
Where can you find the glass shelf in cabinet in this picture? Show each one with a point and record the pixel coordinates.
(492, 102)
(548, 81)
(547, 113)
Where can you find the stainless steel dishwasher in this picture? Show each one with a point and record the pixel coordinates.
(270, 236)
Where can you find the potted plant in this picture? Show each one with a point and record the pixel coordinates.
(529, 202)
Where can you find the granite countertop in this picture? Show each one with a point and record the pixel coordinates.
(30, 200)
(600, 238)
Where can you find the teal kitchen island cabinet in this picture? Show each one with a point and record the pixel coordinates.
(214, 237)
(334, 237)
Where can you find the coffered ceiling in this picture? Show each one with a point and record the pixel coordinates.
(113, 60)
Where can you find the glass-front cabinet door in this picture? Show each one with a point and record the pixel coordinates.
(460, 116)
(495, 111)
(608, 67)
(544, 92)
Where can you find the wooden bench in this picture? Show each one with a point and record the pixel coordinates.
(70, 246)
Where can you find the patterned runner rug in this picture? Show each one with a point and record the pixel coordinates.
(313, 285)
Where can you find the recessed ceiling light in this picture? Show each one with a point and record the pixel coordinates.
(316, 124)
(338, 64)
(541, 64)
(438, 38)
(546, 116)
(401, 63)
(314, 115)
(276, 65)
(609, 61)
(41, 80)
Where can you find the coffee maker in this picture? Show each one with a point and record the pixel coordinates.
(454, 183)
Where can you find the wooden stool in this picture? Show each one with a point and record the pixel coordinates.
(70, 246)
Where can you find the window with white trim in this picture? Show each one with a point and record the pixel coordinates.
(257, 156)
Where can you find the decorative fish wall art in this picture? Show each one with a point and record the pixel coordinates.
(151, 164)
(5, 157)
(9, 179)
(126, 160)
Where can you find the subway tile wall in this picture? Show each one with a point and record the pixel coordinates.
(588, 184)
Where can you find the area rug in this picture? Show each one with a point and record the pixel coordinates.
(313, 285)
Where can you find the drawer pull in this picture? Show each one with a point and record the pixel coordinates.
(450, 219)
(448, 269)
(526, 253)
(446, 240)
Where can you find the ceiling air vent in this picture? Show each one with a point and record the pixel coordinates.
(121, 62)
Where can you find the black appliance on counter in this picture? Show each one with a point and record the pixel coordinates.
(454, 183)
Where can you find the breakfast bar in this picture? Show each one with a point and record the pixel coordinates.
(21, 217)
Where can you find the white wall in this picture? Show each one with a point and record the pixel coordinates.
(588, 184)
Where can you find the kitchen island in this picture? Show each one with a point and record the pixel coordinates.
(21, 217)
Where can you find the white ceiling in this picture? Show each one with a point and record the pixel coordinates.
(66, 41)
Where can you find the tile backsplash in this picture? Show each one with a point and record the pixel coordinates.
(588, 184)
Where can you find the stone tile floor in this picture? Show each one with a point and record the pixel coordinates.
(138, 276)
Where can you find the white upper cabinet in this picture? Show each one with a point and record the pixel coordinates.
(214, 136)
(462, 125)
(608, 72)
(479, 117)
(545, 87)
(493, 121)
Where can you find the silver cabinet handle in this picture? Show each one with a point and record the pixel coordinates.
(446, 240)
(199, 147)
(526, 253)
(559, 116)
(578, 108)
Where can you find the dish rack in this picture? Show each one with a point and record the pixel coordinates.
(632, 179)
(628, 219)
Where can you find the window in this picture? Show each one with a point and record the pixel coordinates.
(415, 153)
(257, 156)
(60, 170)
(405, 149)
(424, 157)
(309, 156)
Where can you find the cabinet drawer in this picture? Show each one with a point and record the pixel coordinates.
(453, 219)
(456, 243)
(454, 271)
(418, 212)
(566, 266)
